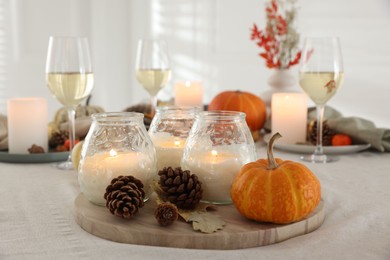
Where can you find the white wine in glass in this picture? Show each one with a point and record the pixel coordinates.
(69, 77)
(70, 88)
(152, 67)
(321, 74)
(320, 86)
(153, 80)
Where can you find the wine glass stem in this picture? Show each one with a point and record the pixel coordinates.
(72, 135)
(153, 103)
(320, 117)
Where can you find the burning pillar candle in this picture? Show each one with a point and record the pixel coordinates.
(189, 93)
(289, 117)
(169, 150)
(27, 124)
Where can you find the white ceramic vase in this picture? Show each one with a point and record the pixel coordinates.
(282, 80)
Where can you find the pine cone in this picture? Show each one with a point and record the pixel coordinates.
(327, 133)
(166, 213)
(36, 149)
(124, 196)
(58, 138)
(180, 187)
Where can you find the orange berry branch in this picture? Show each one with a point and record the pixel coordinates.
(279, 39)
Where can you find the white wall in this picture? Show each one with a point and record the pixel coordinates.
(209, 41)
(30, 25)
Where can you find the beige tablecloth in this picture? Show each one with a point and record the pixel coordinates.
(36, 219)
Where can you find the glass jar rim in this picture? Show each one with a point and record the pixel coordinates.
(117, 116)
(221, 115)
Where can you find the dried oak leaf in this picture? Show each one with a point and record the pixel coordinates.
(206, 222)
(200, 208)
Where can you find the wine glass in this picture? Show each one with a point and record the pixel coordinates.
(321, 73)
(70, 78)
(153, 69)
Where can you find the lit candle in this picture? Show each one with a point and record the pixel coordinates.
(188, 93)
(97, 171)
(27, 124)
(169, 150)
(216, 170)
(289, 117)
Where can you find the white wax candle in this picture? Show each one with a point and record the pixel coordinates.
(216, 170)
(189, 93)
(27, 124)
(289, 117)
(97, 171)
(169, 150)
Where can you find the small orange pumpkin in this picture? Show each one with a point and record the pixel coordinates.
(276, 191)
(252, 105)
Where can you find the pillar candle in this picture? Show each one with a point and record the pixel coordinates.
(289, 117)
(188, 93)
(27, 124)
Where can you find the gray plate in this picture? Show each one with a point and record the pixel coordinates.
(307, 149)
(34, 158)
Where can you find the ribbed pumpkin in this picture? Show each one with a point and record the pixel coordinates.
(252, 105)
(276, 191)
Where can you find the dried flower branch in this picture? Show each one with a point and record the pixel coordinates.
(279, 39)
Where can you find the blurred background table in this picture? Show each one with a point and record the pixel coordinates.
(37, 222)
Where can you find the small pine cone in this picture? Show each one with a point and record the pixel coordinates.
(166, 213)
(327, 133)
(36, 149)
(124, 196)
(180, 187)
(58, 138)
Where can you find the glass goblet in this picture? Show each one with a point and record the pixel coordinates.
(153, 69)
(321, 74)
(70, 78)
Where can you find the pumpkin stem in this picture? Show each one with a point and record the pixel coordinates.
(270, 155)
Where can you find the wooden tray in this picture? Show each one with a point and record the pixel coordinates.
(143, 228)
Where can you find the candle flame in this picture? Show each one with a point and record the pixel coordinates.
(113, 153)
(187, 84)
(177, 143)
(214, 153)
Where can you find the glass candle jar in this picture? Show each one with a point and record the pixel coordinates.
(218, 145)
(116, 144)
(169, 131)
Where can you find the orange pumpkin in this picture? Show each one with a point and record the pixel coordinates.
(241, 101)
(276, 191)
